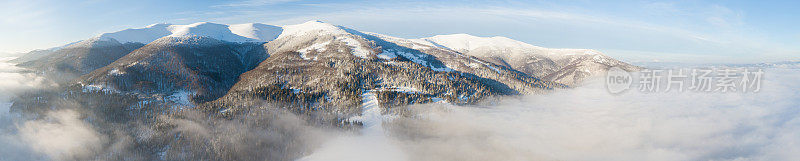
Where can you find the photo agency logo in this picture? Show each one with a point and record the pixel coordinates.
(721, 80)
(618, 80)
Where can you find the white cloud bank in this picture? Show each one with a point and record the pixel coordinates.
(62, 135)
(13, 78)
(588, 123)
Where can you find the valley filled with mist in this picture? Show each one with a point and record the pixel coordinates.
(581, 123)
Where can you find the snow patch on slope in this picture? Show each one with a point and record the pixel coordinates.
(98, 88)
(181, 97)
(318, 47)
(391, 53)
(410, 90)
(387, 55)
(116, 72)
(357, 48)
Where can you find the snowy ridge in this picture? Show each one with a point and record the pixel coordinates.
(499, 46)
(249, 32)
(216, 31)
(140, 35)
(256, 31)
(465, 42)
(316, 28)
(508, 48)
(417, 44)
(311, 27)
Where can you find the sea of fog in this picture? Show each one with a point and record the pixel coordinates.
(584, 123)
(589, 123)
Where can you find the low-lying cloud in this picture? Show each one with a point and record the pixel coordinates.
(14, 79)
(588, 123)
(62, 135)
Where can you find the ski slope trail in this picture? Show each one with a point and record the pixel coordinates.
(372, 143)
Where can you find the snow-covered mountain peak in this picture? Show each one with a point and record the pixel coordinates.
(466, 42)
(207, 29)
(256, 31)
(250, 32)
(158, 25)
(98, 41)
(139, 35)
(311, 27)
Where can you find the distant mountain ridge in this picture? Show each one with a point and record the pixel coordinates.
(566, 66)
(249, 32)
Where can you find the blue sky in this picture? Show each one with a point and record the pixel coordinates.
(638, 31)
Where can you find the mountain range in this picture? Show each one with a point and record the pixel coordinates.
(310, 65)
(181, 92)
(313, 64)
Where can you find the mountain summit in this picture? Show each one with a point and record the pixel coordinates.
(249, 32)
